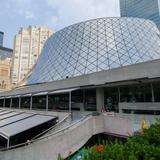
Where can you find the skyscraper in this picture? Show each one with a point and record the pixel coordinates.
(1, 38)
(27, 48)
(147, 9)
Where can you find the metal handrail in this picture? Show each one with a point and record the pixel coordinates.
(49, 135)
(51, 127)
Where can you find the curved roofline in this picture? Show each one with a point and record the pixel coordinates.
(99, 22)
(103, 18)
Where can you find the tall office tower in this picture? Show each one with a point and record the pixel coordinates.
(147, 9)
(1, 38)
(28, 44)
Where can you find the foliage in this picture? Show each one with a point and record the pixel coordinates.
(144, 146)
(59, 157)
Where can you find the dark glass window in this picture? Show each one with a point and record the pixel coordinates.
(111, 99)
(39, 102)
(156, 89)
(90, 100)
(15, 103)
(59, 102)
(25, 102)
(136, 93)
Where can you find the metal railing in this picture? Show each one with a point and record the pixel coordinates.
(57, 124)
(46, 136)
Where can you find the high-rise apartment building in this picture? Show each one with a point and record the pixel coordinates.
(147, 9)
(1, 38)
(28, 44)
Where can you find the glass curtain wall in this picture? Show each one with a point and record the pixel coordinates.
(156, 89)
(7, 103)
(25, 102)
(90, 100)
(147, 9)
(59, 101)
(130, 94)
(15, 103)
(77, 100)
(1, 102)
(136, 93)
(111, 99)
(39, 102)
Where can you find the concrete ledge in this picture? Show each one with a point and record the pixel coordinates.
(150, 106)
(70, 139)
(144, 70)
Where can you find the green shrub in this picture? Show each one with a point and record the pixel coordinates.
(145, 146)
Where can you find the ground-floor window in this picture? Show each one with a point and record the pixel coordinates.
(156, 89)
(136, 93)
(25, 102)
(90, 100)
(15, 102)
(7, 102)
(39, 102)
(111, 99)
(59, 102)
(1, 102)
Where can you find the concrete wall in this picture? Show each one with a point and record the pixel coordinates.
(120, 125)
(137, 119)
(137, 71)
(150, 106)
(70, 139)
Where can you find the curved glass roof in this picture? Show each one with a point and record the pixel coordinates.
(96, 45)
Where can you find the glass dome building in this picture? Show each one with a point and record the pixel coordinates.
(96, 45)
(98, 66)
(110, 63)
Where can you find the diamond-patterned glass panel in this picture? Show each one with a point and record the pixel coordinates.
(96, 45)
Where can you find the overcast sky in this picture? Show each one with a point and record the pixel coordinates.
(55, 14)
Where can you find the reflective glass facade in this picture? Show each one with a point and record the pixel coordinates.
(96, 45)
(5, 53)
(148, 9)
(1, 38)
